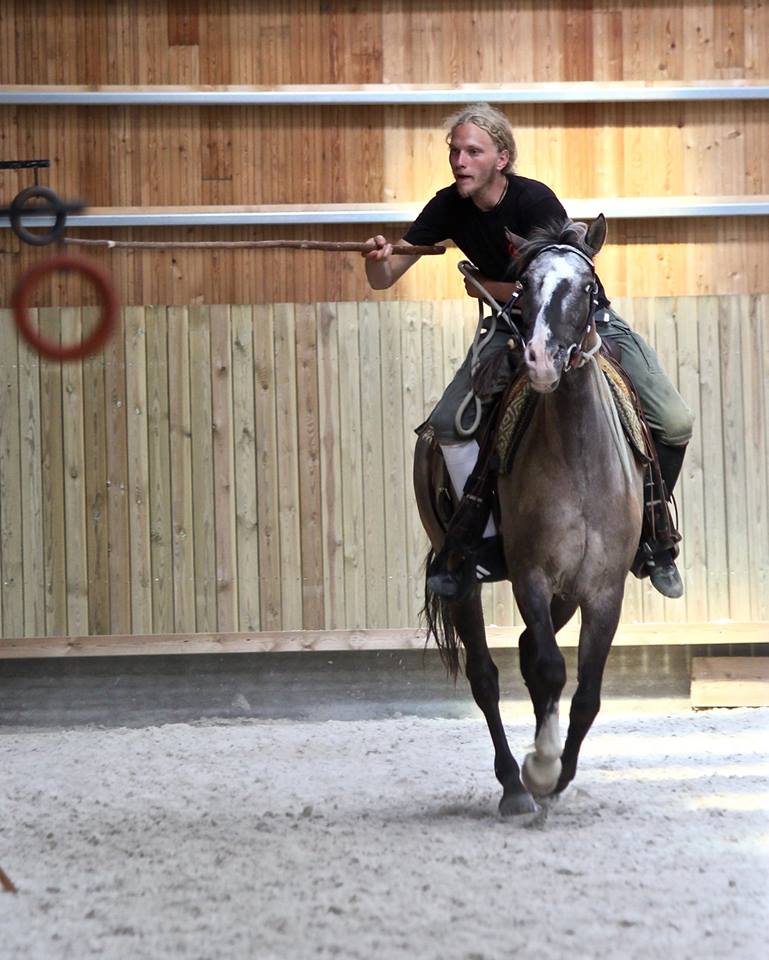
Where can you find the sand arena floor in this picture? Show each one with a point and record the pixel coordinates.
(380, 838)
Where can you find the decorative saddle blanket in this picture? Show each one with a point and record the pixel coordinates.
(519, 402)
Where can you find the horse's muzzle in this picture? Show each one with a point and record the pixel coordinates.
(544, 368)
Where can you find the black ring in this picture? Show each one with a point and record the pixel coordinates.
(57, 208)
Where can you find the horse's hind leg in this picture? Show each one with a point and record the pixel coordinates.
(544, 673)
(599, 624)
(483, 677)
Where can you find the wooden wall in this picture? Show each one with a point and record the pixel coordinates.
(135, 156)
(246, 466)
(240, 468)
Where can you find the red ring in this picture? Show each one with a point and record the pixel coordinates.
(98, 336)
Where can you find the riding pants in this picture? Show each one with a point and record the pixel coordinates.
(667, 414)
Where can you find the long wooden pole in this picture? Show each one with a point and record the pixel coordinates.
(343, 246)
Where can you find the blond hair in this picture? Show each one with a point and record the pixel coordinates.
(494, 122)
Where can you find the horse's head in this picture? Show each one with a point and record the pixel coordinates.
(557, 294)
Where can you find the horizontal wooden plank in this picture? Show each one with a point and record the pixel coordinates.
(292, 641)
(730, 669)
(618, 91)
(730, 682)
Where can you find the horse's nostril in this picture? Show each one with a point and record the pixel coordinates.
(531, 356)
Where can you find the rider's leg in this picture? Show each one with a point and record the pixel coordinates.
(471, 551)
(460, 459)
(671, 424)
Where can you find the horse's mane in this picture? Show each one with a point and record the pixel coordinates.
(556, 231)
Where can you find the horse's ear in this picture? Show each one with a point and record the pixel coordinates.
(514, 242)
(596, 234)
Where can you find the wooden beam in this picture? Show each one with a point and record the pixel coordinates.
(730, 682)
(294, 641)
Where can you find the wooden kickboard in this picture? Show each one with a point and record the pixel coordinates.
(730, 682)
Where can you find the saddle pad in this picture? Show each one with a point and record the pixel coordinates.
(624, 401)
(520, 399)
(517, 406)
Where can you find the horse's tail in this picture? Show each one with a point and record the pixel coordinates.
(439, 626)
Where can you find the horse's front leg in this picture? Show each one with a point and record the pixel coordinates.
(544, 672)
(599, 624)
(483, 677)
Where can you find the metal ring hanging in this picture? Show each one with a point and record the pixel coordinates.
(55, 208)
(101, 332)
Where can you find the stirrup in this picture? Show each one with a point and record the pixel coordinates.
(483, 564)
(666, 579)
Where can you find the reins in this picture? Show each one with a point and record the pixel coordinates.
(481, 340)
(576, 355)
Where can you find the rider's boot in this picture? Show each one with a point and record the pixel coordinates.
(467, 558)
(661, 550)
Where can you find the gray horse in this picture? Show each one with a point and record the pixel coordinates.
(571, 511)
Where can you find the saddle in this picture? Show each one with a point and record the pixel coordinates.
(508, 420)
(517, 405)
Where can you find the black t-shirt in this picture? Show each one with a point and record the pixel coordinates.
(480, 234)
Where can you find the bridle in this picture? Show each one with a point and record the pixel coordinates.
(576, 354)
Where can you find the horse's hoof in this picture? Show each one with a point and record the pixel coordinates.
(517, 803)
(540, 775)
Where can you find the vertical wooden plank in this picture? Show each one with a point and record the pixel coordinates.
(712, 414)
(413, 414)
(666, 337)
(288, 467)
(224, 469)
(95, 445)
(267, 468)
(756, 456)
(330, 466)
(313, 612)
(732, 315)
(30, 427)
(75, 537)
(395, 466)
(138, 471)
(181, 470)
(201, 419)
(372, 464)
(350, 449)
(11, 490)
(693, 561)
(159, 462)
(246, 504)
(762, 309)
(117, 483)
(646, 314)
(53, 483)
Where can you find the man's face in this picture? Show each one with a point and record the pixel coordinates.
(474, 158)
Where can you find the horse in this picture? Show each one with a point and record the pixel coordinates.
(570, 510)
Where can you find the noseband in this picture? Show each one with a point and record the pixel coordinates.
(576, 355)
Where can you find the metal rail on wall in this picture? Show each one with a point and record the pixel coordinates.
(621, 91)
(581, 208)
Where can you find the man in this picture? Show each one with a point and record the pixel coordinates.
(485, 198)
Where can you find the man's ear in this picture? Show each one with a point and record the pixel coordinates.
(596, 234)
(503, 158)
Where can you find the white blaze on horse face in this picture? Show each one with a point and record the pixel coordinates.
(546, 276)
